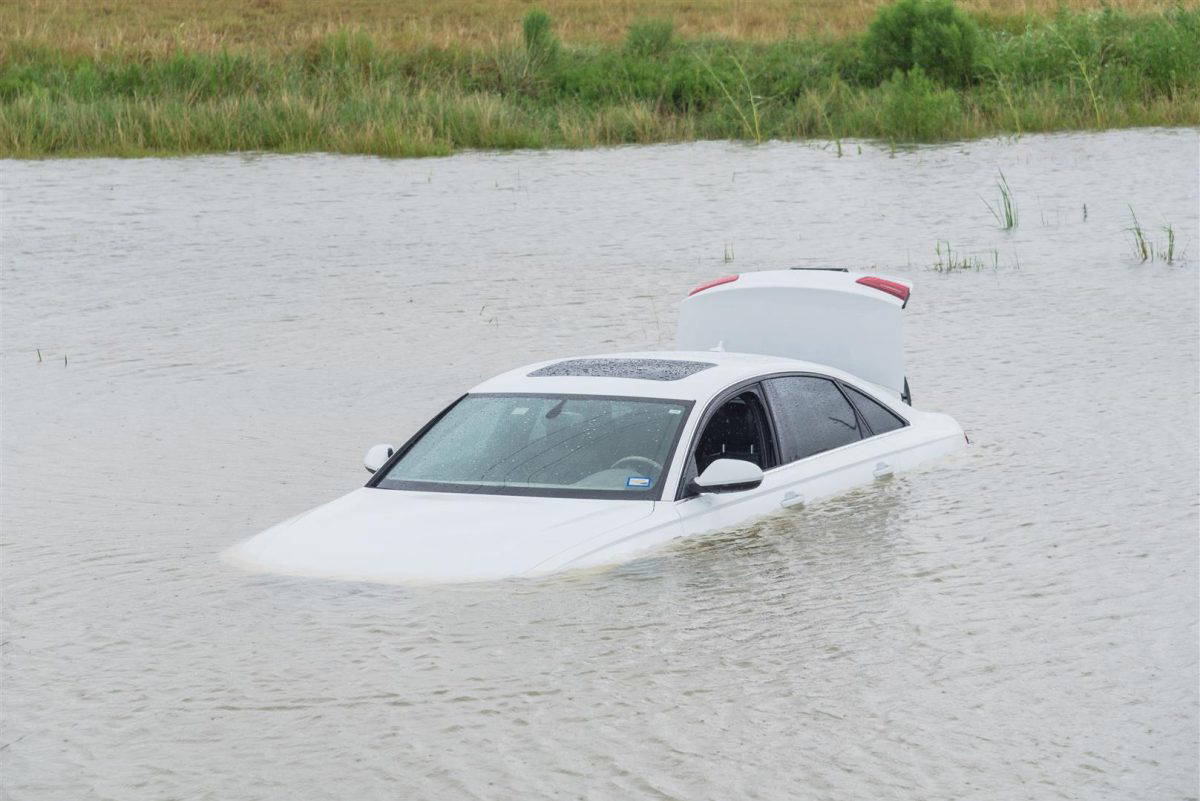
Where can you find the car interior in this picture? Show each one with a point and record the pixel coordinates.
(585, 445)
(738, 430)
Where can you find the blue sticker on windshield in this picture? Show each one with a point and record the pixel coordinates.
(641, 482)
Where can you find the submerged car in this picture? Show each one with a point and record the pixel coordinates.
(788, 386)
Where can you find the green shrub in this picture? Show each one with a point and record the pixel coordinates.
(932, 34)
(914, 108)
(650, 37)
(540, 43)
(1166, 51)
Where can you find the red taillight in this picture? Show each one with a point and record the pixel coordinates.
(884, 285)
(725, 280)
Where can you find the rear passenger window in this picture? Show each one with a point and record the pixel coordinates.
(812, 415)
(878, 417)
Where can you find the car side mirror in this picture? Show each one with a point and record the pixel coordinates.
(727, 475)
(376, 456)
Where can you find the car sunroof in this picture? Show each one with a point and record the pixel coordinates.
(646, 369)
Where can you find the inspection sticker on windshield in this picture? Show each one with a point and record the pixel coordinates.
(640, 482)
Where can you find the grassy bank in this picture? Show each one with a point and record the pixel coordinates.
(921, 70)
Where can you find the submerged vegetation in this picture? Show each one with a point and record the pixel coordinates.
(1146, 248)
(922, 70)
(948, 261)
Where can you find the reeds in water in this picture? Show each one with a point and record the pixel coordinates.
(1168, 252)
(948, 261)
(1141, 244)
(1147, 249)
(1005, 211)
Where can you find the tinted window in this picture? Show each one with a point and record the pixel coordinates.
(878, 417)
(812, 414)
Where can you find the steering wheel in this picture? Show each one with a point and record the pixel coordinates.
(638, 461)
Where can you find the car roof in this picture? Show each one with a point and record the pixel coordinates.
(648, 374)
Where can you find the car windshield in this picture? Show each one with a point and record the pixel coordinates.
(573, 446)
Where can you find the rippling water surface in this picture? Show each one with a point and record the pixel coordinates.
(222, 338)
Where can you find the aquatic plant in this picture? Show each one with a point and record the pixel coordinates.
(948, 261)
(1168, 252)
(1141, 244)
(1005, 211)
(1147, 249)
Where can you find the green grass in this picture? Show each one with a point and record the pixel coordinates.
(348, 93)
(1168, 250)
(1005, 211)
(1141, 244)
(948, 261)
(1147, 249)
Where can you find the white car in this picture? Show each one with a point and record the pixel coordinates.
(788, 386)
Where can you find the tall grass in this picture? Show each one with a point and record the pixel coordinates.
(1141, 245)
(1168, 251)
(949, 261)
(1147, 249)
(1005, 211)
(350, 91)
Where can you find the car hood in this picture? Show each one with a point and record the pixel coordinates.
(395, 535)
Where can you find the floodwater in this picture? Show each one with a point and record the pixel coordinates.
(222, 338)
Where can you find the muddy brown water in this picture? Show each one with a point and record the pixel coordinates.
(222, 338)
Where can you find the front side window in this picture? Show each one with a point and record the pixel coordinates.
(812, 415)
(878, 417)
(554, 446)
(737, 430)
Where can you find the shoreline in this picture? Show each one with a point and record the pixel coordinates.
(850, 146)
(348, 93)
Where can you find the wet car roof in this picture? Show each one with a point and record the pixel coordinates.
(612, 374)
(624, 367)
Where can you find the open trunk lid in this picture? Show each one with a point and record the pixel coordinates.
(850, 321)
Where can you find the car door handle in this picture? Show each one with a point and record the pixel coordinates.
(883, 470)
(791, 499)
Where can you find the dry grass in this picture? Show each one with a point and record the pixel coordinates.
(206, 25)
